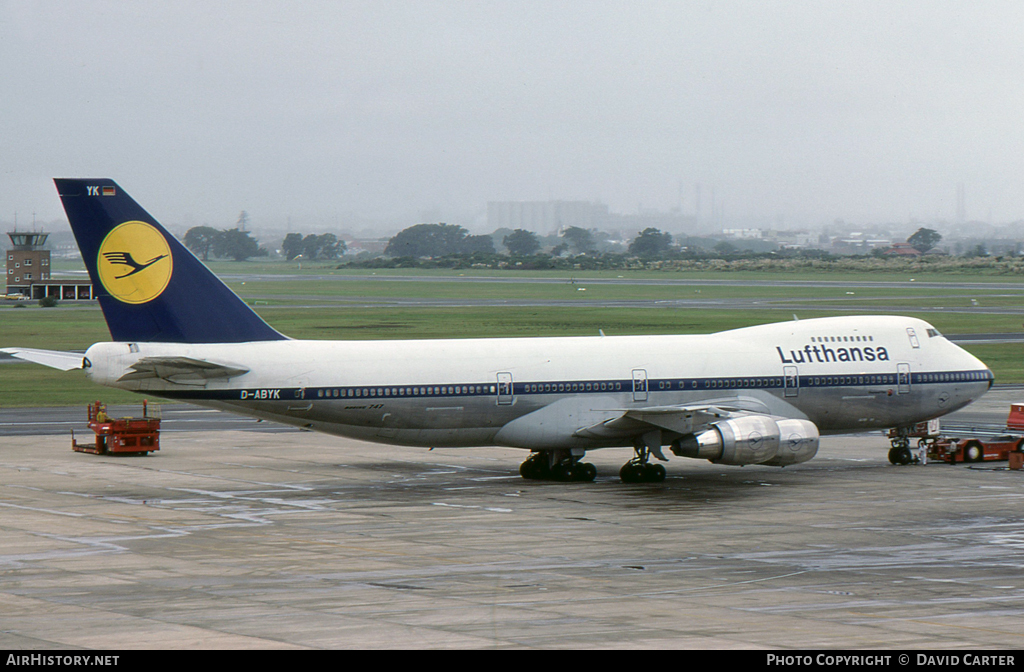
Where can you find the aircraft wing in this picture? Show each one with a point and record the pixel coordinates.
(678, 419)
(55, 359)
(181, 370)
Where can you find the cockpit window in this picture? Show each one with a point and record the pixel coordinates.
(932, 333)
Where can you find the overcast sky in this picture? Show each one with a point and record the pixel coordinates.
(869, 111)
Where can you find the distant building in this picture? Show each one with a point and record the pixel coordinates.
(902, 250)
(551, 217)
(27, 261)
(545, 217)
(374, 246)
(857, 242)
(757, 234)
(669, 222)
(793, 239)
(28, 271)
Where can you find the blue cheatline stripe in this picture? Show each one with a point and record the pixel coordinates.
(377, 392)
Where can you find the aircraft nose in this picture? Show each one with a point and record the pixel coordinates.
(973, 364)
(986, 373)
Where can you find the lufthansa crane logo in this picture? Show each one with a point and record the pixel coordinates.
(134, 262)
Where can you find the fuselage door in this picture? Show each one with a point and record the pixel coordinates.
(790, 381)
(387, 426)
(504, 388)
(902, 378)
(639, 385)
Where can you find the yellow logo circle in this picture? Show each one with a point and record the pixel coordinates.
(134, 262)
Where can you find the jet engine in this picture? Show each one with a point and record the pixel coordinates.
(798, 442)
(752, 439)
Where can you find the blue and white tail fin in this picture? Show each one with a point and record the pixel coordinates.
(151, 288)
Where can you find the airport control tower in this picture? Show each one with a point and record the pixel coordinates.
(27, 261)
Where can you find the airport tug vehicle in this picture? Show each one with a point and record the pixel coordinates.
(959, 443)
(131, 436)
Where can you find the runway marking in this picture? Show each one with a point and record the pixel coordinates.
(468, 506)
(285, 486)
(32, 508)
(947, 625)
(47, 424)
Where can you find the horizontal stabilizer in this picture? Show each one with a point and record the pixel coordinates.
(55, 359)
(181, 370)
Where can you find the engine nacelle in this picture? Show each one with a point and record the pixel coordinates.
(753, 439)
(798, 442)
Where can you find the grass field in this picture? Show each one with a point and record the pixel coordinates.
(326, 307)
(226, 269)
(579, 290)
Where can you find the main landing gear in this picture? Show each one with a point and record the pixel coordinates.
(563, 465)
(639, 469)
(556, 465)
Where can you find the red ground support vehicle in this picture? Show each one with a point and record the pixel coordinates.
(136, 436)
(959, 444)
(974, 450)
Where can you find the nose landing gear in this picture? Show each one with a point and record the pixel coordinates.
(900, 451)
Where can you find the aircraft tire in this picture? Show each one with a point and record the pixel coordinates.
(587, 471)
(900, 456)
(535, 468)
(654, 473)
(578, 472)
(632, 472)
(563, 472)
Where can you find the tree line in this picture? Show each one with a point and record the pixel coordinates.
(312, 246)
(238, 244)
(227, 243)
(437, 241)
(419, 241)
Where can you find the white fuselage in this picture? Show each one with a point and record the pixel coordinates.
(843, 374)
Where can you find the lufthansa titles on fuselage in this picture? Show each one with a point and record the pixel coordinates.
(822, 354)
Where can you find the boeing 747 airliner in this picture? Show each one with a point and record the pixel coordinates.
(757, 395)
